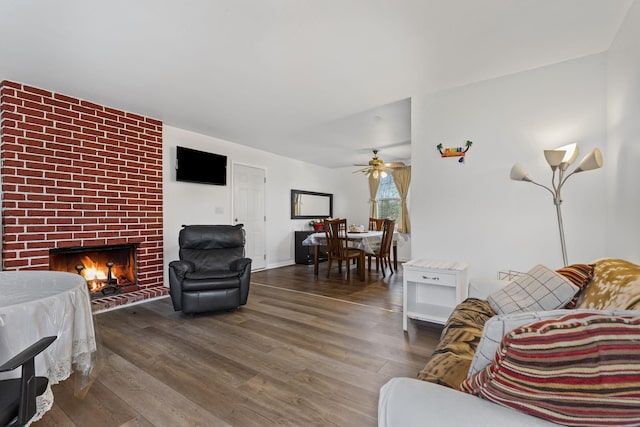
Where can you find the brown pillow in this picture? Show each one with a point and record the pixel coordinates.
(450, 361)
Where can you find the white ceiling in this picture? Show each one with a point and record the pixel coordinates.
(289, 76)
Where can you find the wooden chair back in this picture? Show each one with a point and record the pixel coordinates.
(375, 224)
(387, 237)
(337, 243)
(338, 247)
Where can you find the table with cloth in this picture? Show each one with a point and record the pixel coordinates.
(368, 241)
(36, 304)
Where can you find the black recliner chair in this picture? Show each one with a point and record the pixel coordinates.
(213, 273)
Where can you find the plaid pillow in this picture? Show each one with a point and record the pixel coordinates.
(581, 369)
(539, 289)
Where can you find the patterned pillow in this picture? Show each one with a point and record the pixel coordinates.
(498, 326)
(539, 289)
(451, 359)
(615, 286)
(580, 369)
(580, 275)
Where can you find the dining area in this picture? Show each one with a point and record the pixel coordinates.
(356, 246)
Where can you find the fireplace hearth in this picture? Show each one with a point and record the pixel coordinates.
(108, 270)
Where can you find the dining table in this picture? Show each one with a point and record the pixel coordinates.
(368, 241)
(37, 304)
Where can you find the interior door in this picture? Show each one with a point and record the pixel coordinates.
(248, 209)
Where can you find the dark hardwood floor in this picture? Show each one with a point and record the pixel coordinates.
(304, 351)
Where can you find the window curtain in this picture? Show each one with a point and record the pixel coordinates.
(402, 178)
(374, 183)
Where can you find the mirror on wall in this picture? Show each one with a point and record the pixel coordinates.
(309, 204)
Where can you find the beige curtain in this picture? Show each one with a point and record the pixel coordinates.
(402, 178)
(373, 191)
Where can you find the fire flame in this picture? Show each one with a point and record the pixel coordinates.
(94, 274)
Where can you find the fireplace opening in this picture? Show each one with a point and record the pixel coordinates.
(108, 270)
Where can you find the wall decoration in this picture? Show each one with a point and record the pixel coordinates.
(455, 151)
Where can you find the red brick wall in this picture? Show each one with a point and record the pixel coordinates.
(75, 173)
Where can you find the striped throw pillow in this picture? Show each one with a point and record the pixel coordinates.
(582, 369)
(580, 275)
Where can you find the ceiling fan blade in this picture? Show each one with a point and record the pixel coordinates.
(364, 170)
(374, 166)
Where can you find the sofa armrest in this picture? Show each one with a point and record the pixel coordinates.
(406, 402)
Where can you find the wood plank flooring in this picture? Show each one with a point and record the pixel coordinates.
(304, 351)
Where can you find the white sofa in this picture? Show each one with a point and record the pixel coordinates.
(407, 402)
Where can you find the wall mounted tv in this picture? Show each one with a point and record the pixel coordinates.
(200, 166)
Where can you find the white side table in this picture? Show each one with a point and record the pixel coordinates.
(432, 289)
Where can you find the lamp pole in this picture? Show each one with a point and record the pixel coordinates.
(559, 160)
(557, 200)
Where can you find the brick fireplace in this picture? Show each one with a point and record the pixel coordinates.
(77, 174)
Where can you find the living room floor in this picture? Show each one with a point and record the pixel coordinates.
(303, 351)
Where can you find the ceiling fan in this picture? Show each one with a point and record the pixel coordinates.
(378, 168)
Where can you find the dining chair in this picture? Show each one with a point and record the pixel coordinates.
(383, 253)
(375, 224)
(18, 395)
(338, 248)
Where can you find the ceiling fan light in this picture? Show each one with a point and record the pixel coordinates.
(383, 174)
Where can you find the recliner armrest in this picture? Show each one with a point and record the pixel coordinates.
(181, 268)
(240, 264)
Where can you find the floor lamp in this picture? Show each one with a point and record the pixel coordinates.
(560, 159)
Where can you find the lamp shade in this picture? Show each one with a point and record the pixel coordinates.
(554, 157)
(518, 173)
(593, 160)
(571, 153)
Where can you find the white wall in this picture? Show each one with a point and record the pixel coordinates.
(189, 203)
(623, 152)
(473, 212)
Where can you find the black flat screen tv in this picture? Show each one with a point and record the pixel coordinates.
(200, 166)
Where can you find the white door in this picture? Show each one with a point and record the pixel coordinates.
(248, 209)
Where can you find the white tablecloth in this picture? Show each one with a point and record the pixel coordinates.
(36, 304)
(367, 241)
